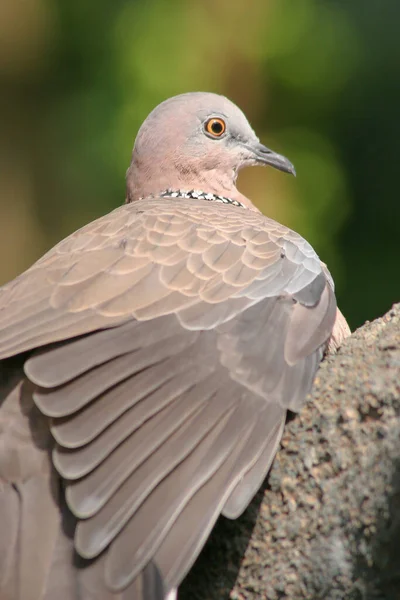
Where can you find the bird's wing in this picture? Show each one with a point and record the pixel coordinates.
(172, 337)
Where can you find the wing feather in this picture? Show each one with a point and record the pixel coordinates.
(182, 545)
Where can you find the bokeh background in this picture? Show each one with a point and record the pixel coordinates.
(319, 80)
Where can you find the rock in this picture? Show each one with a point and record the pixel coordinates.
(327, 522)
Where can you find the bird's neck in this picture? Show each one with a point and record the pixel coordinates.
(142, 184)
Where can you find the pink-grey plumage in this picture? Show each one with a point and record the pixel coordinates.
(147, 363)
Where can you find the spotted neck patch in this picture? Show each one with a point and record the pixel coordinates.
(199, 195)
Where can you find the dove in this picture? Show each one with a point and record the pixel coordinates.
(147, 364)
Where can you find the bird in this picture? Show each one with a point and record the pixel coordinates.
(147, 364)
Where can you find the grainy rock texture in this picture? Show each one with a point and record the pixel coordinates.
(326, 524)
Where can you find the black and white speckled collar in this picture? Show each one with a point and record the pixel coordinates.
(199, 195)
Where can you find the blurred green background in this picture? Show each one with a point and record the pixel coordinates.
(318, 79)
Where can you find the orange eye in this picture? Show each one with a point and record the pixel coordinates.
(215, 127)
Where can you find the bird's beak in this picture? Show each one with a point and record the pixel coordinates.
(265, 156)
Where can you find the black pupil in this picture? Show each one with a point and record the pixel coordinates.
(217, 127)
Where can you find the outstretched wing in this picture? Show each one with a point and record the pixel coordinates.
(172, 336)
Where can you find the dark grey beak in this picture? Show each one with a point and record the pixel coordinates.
(265, 156)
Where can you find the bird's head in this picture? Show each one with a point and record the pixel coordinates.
(196, 141)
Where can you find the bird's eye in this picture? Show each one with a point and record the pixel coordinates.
(215, 127)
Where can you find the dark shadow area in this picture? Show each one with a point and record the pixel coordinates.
(214, 573)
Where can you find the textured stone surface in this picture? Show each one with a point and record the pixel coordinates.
(327, 522)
